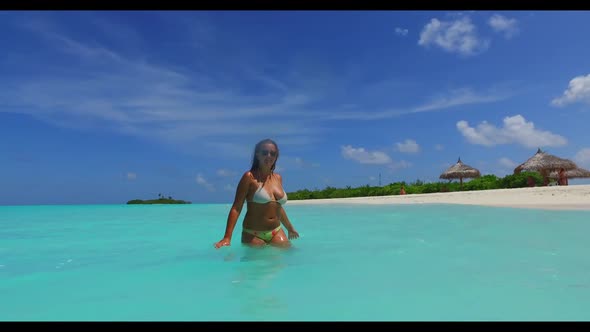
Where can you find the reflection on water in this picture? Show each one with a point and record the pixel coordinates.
(256, 281)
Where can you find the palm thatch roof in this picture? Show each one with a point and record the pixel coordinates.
(543, 162)
(460, 171)
(572, 173)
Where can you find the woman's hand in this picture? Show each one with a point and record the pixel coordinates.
(223, 242)
(293, 234)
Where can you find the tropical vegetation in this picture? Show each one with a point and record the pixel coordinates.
(419, 187)
(160, 200)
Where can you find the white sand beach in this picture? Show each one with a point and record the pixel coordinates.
(572, 197)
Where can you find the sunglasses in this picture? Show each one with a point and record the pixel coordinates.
(267, 153)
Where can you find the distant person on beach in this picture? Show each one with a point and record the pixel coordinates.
(263, 191)
(562, 180)
(531, 181)
(402, 191)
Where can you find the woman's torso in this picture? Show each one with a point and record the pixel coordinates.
(262, 202)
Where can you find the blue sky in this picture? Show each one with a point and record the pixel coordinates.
(104, 107)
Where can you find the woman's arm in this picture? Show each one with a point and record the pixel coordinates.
(235, 210)
(285, 220)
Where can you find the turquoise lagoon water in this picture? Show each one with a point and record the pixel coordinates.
(426, 262)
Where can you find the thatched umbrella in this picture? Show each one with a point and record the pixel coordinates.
(572, 173)
(460, 171)
(544, 163)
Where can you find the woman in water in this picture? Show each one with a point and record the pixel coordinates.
(262, 189)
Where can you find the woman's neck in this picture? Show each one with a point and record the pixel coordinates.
(263, 173)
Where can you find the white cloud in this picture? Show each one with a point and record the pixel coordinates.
(304, 164)
(505, 162)
(401, 31)
(578, 90)
(439, 147)
(365, 157)
(458, 36)
(516, 130)
(225, 173)
(408, 146)
(104, 88)
(399, 165)
(457, 97)
(131, 176)
(508, 26)
(583, 157)
(203, 182)
(229, 187)
(296, 163)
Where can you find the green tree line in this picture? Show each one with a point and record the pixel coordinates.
(419, 187)
(161, 200)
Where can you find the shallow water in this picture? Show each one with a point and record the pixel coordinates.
(418, 262)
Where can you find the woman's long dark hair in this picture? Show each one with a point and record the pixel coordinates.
(255, 165)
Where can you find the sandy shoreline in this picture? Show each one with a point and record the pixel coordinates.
(573, 197)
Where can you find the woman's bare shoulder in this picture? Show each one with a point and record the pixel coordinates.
(247, 180)
(248, 175)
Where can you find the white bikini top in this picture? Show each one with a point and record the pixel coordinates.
(261, 196)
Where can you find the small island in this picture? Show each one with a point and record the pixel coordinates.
(160, 200)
